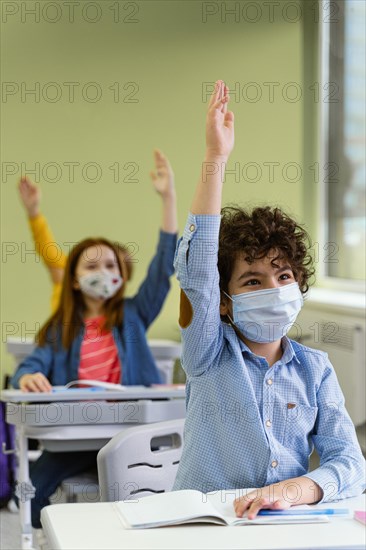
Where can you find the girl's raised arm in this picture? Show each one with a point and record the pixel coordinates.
(30, 196)
(163, 181)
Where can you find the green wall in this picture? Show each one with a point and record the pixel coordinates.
(169, 53)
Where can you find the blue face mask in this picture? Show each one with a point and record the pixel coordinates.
(266, 315)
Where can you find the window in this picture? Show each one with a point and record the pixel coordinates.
(343, 121)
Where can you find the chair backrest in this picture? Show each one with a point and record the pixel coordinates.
(140, 461)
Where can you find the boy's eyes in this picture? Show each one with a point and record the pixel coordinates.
(255, 282)
(252, 282)
(285, 276)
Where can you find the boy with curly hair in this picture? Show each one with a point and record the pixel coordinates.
(257, 402)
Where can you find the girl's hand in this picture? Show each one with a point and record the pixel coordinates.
(274, 497)
(163, 176)
(219, 123)
(30, 195)
(34, 383)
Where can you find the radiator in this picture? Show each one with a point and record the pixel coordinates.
(339, 330)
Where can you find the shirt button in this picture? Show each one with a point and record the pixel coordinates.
(270, 381)
(192, 227)
(274, 463)
(268, 423)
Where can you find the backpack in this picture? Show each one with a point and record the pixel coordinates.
(7, 461)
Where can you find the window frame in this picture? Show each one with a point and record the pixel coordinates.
(323, 279)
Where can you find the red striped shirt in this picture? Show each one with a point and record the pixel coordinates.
(98, 355)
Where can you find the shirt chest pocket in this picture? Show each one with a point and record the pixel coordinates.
(299, 424)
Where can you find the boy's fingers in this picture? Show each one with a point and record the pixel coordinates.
(215, 94)
(225, 99)
(258, 505)
(241, 504)
(221, 104)
(229, 119)
(266, 503)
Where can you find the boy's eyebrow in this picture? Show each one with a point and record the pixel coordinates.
(284, 268)
(250, 274)
(258, 273)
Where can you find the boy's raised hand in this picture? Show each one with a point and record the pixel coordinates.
(219, 123)
(163, 176)
(30, 195)
(219, 144)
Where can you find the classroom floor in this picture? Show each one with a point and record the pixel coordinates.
(9, 530)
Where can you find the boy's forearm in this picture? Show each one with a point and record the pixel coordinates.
(208, 195)
(169, 222)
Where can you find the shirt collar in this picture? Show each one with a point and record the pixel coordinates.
(288, 351)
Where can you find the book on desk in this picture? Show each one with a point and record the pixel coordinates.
(190, 506)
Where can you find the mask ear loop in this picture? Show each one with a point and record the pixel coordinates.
(231, 321)
(230, 298)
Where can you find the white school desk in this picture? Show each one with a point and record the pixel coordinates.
(98, 526)
(80, 419)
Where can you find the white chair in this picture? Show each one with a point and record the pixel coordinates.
(140, 461)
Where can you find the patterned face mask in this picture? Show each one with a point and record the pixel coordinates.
(266, 315)
(100, 284)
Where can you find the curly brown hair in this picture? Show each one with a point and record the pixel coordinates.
(252, 235)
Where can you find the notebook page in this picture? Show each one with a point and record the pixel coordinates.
(167, 509)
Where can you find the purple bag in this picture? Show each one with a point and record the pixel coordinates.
(7, 461)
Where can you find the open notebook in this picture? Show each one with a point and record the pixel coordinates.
(95, 384)
(179, 507)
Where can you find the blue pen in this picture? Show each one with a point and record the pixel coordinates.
(317, 512)
(92, 388)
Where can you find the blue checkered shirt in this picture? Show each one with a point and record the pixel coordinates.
(249, 425)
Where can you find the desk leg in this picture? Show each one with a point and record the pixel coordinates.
(25, 490)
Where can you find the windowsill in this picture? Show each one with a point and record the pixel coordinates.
(334, 299)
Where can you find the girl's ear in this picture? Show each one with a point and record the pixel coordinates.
(75, 284)
(224, 304)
